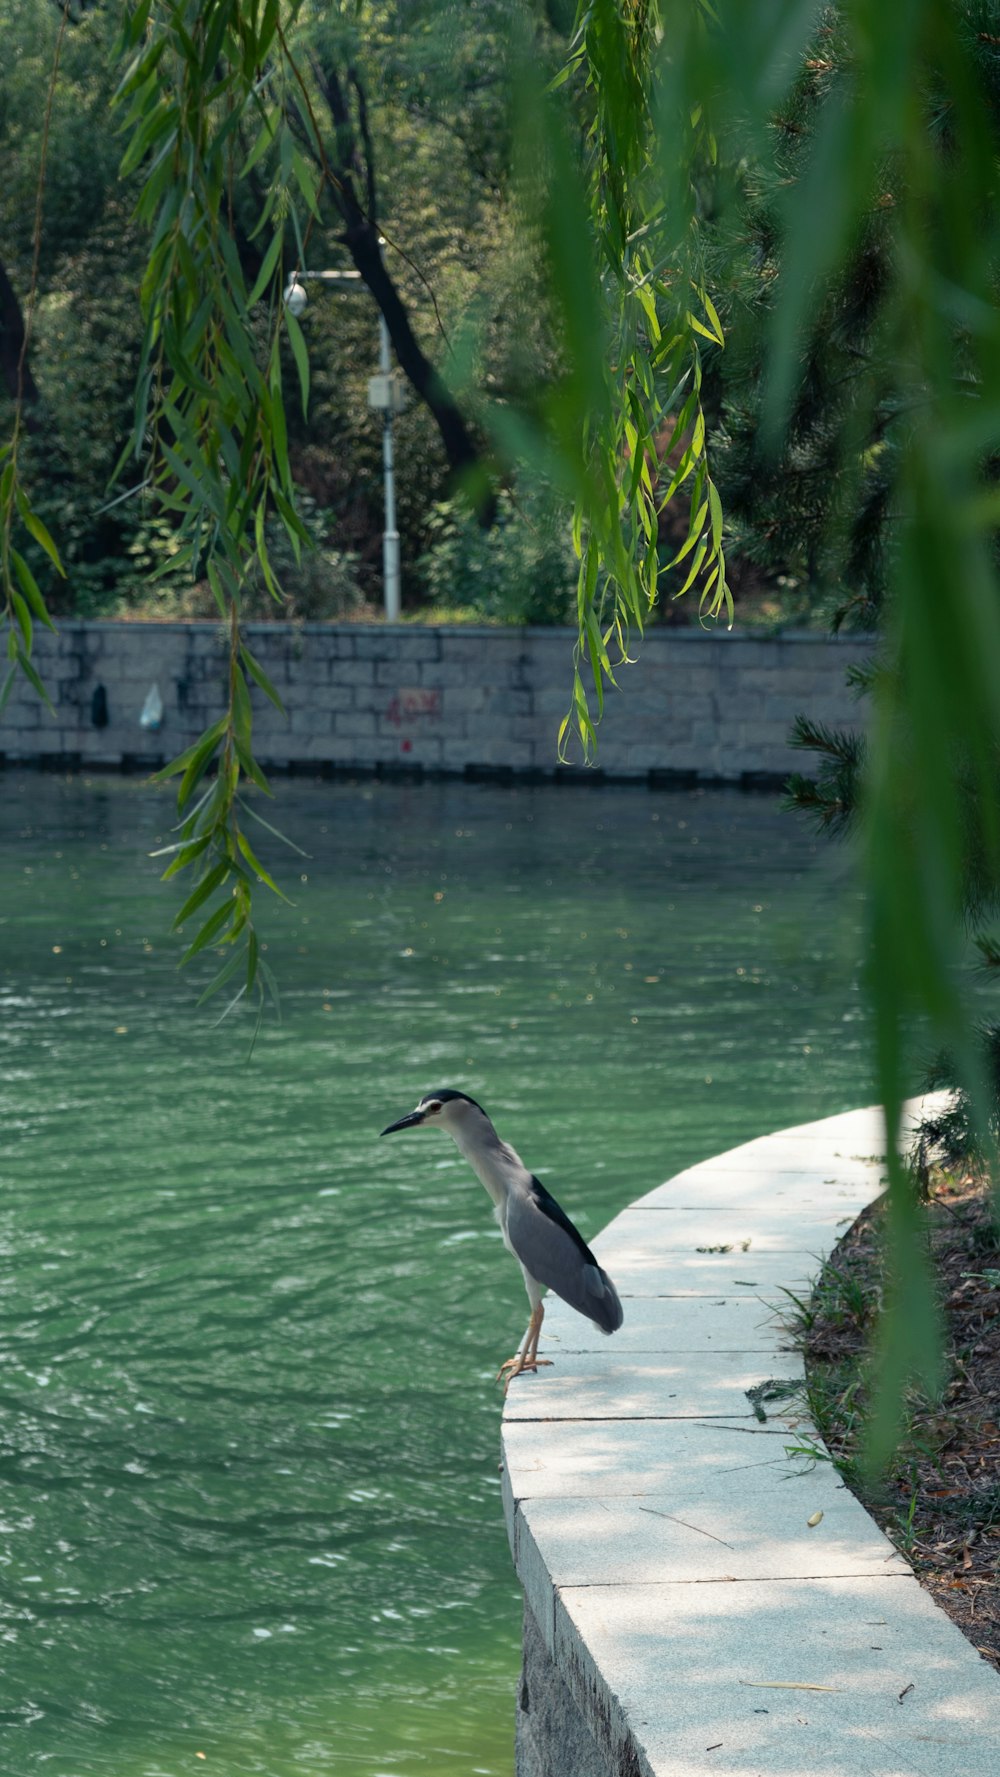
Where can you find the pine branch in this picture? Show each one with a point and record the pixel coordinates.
(844, 746)
(862, 676)
(988, 947)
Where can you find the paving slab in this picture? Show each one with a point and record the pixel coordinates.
(846, 1190)
(693, 1674)
(701, 1385)
(608, 1458)
(787, 1152)
(743, 1322)
(699, 1531)
(642, 1265)
(760, 1227)
(855, 1134)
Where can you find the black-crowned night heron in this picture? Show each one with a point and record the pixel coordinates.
(552, 1253)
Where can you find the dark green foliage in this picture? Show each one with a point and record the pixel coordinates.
(87, 328)
(83, 165)
(522, 570)
(439, 114)
(85, 354)
(812, 501)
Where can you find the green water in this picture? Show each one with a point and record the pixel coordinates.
(249, 1499)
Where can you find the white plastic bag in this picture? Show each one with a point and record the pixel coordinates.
(152, 709)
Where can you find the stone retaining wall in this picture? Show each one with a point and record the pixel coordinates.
(714, 705)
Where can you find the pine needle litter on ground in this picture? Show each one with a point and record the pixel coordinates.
(940, 1501)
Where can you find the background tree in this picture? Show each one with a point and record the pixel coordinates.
(466, 290)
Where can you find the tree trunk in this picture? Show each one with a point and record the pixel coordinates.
(361, 237)
(465, 458)
(11, 347)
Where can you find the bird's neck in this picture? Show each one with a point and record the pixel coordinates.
(493, 1162)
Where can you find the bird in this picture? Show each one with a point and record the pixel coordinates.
(551, 1252)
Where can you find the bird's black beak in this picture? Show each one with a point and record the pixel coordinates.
(408, 1122)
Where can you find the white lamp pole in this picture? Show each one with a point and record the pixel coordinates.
(390, 536)
(385, 397)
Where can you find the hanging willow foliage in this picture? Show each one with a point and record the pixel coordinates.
(905, 128)
(629, 293)
(203, 100)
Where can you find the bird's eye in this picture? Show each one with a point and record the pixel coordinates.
(435, 1105)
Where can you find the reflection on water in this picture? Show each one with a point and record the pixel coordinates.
(249, 1499)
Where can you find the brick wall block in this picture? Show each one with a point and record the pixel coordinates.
(318, 701)
(464, 700)
(451, 674)
(391, 725)
(355, 723)
(311, 721)
(396, 645)
(543, 729)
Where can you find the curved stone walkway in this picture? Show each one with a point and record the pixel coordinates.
(687, 1612)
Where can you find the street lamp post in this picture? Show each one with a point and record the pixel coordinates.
(385, 398)
(388, 403)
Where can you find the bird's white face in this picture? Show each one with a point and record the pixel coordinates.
(447, 1113)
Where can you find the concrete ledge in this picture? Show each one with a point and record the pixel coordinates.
(695, 707)
(683, 1617)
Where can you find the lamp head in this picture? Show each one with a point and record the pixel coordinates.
(295, 296)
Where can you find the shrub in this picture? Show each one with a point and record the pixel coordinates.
(522, 570)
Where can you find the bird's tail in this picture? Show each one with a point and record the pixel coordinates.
(607, 1313)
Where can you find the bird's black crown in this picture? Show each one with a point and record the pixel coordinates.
(446, 1095)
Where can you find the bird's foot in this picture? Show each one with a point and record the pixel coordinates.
(516, 1364)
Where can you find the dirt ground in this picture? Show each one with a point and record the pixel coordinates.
(940, 1502)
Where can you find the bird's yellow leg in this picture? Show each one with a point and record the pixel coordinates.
(527, 1358)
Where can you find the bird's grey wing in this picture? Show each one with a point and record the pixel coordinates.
(555, 1252)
